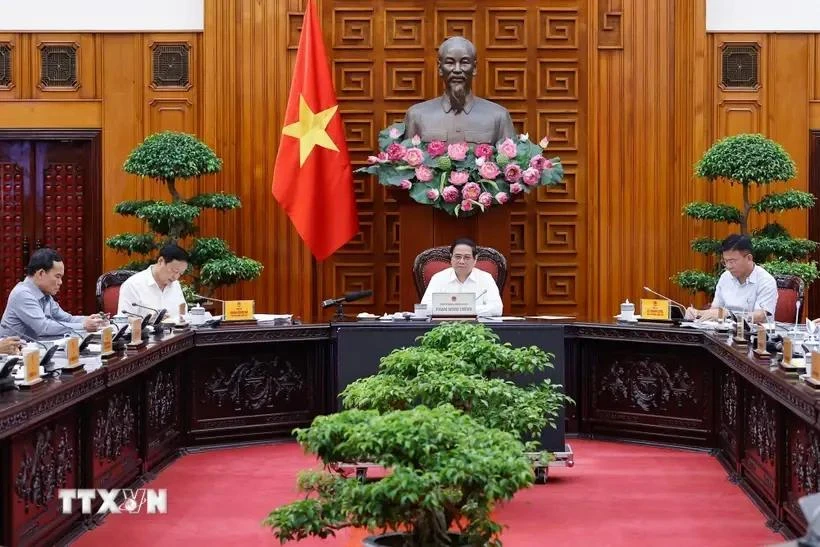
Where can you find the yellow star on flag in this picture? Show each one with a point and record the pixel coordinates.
(310, 129)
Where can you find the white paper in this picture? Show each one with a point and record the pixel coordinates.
(549, 317)
(272, 316)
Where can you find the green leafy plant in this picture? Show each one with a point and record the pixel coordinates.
(168, 158)
(446, 473)
(750, 160)
(464, 365)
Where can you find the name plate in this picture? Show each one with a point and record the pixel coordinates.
(760, 350)
(31, 361)
(183, 309)
(453, 305)
(238, 310)
(655, 309)
(107, 341)
(136, 330)
(788, 349)
(72, 351)
(815, 369)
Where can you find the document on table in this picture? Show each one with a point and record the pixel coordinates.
(549, 317)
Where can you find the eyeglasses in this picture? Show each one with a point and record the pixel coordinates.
(460, 258)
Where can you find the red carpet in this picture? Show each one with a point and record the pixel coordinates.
(617, 494)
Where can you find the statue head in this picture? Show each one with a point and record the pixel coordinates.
(457, 67)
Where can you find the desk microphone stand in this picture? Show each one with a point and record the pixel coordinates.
(340, 311)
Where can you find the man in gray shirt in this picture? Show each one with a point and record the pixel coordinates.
(458, 115)
(31, 310)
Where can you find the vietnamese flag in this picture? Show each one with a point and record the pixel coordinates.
(312, 178)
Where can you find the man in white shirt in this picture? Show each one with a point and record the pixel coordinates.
(157, 287)
(744, 286)
(464, 277)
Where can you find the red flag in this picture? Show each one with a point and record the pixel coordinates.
(312, 178)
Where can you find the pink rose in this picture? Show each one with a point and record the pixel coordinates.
(436, 148)
(544, 142)
(394, 133)
(531, 176)
(416, 140)
(485, 199)
(516, 188)
(537, 162)
(432, 194)
(471, 190)
(512, 172)
(405, 184)
(450, 194)
(466, 205)
(484, 150)
(424, 173)
(395, 152)
(414, 157)
(502, 197)
(458, 178)
(457, 151)
(508, 148)
(489, 170)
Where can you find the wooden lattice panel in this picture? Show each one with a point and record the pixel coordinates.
(11, 227)
(63, 197)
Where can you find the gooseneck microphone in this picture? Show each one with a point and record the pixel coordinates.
(348, 297)
(145, 320)
(480, 295)
(664, 297)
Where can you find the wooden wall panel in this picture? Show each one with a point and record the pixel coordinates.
(629, 94)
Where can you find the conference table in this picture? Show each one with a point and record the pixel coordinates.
(118, 424)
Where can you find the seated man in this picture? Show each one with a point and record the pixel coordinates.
(31, 310)
(157, 287)
(743, 287)
(463, 276)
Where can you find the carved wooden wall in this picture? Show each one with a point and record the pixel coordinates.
(629, 92)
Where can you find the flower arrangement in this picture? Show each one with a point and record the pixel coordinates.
(460, 178)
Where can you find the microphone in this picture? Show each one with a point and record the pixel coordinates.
(160, 313)
(678, 304)
(480, 295)
(348, 297)
(145, 320)
(203, 298)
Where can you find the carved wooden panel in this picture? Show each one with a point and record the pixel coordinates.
(729, 414)
(384, 60)
(760, 442)
(163, 410)
(802, 465)
(114, 436)
(11, 226)
(43, 460)
(64, 188)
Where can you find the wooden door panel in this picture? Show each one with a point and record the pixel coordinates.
(15, 174)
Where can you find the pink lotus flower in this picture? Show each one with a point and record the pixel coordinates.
(547, 164)
(508, 148)
(544, 142)
(485, 199)
(516, 188)
(414, 157)
(436, 148)
(450, 194)
(416, 140)
(380, 158)
(458, 151)
(424, 173)
(538, 162)
(471, 190)
(395, 152)
(489, 170)
(484, 150)
(512, 173)
(458, 178)
(394, 133)
(405, 184)
(531, 176)
(466, 205)
(432, 194)
(502, 197)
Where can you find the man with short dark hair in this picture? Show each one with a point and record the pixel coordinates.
(156, 287)
(743, 287)
(31, 310)
(464, 277)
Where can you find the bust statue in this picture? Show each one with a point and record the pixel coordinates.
(458, 115)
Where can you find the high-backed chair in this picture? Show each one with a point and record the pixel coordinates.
(108, 289)
(789, 291)
(431, 261)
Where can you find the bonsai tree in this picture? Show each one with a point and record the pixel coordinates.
(168, 158)
(446, 473)
(750, 160)
(465, 365)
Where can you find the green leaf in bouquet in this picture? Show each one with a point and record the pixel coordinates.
(419, 193)
(488, 182)
(443, 182)
(385, 139)
(501, 159)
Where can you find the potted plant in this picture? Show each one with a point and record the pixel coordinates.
(169, 158)
(465, 365)
(446, 473)
(750, 160)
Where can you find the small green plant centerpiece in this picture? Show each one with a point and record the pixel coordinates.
(446, 473)
(750, 160)
(169, 158)
(465, 365)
